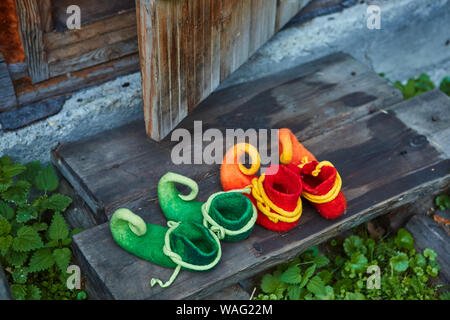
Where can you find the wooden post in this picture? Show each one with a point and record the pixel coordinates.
(188, 47)
(32, 30)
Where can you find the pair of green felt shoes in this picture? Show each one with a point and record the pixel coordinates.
(192, 239)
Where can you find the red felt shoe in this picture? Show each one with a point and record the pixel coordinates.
(276, 195)
(322, 187)
(321, 181)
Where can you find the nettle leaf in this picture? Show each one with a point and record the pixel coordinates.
(59, 202)
(430, 254)
(39, 226)
(443, 202)
(46, 179)
(31, 172)
(33, 293)
(26, 213)
(42, 259)
(400, 262)
(269, 283)
(27, 239)
(18, 193)
(5, 183)
(58, 229)
(12, 169)
(445, 296)
(294, 292)
(328, 295)
(5, 160)
(5, 226)
(62, 258)
(16, 258)
(343, 284)
(410, 89)
(433, 270)
(358, 262)
(309, 254)
(419, 260)
(308, 274)
(291, 275)
(321, 261)
(5, 244)
(354, 244)
(445, 85)
(20, 275)
(19, 291)
(325, 275)
(6, 211)
(404, 239)
(316, 286)
(354, 296)
(41, 203)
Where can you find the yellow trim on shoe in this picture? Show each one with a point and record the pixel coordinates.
(332, 194)
(265, 205)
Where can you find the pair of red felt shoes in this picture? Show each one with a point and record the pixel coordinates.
(277, 193)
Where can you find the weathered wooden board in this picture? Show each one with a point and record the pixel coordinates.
(8, 98)
(55, 60)
(428, 234)
(96, 43)
(66, 84)
(384, 164)
(430, 117)
(188, 47)
(91, 11)
(310, 99)
(31, 30)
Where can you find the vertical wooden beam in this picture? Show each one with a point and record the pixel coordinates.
(31, 30)
(188, 47)
(45, 11)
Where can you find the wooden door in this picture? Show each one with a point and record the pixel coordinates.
(188, 47)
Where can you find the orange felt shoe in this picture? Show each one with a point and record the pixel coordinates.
(290, 149)
(233, 174)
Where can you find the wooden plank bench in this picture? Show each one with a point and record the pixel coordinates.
(335, 105)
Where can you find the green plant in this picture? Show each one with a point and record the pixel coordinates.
(35, 240)
(445, 86)
(342, 273)
(443, 202)
(414, 87)
(419, 85)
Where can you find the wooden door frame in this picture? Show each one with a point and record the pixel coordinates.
(34, 19)
(188, 47)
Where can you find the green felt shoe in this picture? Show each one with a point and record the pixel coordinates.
(186, 244)
(231, 215)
